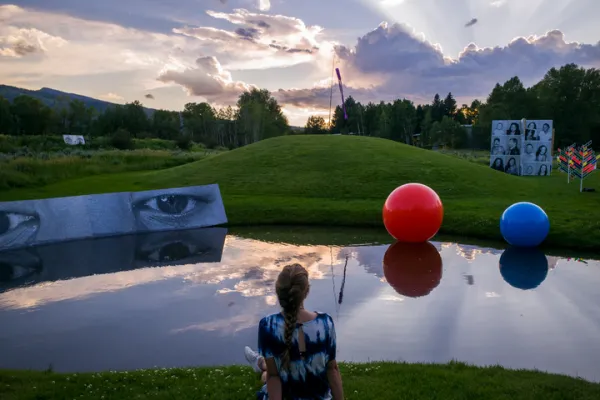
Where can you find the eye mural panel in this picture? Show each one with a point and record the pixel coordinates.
(33, 222)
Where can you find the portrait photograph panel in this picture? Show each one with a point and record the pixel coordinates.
(513, 146)
(543, 130)
(499, 127)
(512, 165)
(513, 128)
(499, 146)
(528, 151)
(498, 162)
(537, 169)
(542, 152)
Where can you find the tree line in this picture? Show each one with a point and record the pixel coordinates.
(570, 96)
(256, 116)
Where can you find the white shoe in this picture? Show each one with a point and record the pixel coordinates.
(252, 358)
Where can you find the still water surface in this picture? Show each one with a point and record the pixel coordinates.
(195, 298)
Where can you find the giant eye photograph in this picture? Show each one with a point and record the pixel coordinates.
(17, 229)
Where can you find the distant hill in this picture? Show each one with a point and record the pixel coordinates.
(52, 97)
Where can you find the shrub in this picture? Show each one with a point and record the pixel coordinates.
(184, 142)
(122, 140)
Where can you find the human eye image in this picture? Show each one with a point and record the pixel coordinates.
(175, 247)
(17, 228)
(173, 209)
(18, 268)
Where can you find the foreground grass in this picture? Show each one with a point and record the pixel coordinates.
(380, 381)
(344, 180)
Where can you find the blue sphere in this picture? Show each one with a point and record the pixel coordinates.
(524, 225)
(523, 268)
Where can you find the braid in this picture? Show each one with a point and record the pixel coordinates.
(292, 288)
(291, 317)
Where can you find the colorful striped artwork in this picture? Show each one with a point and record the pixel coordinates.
(578, 162)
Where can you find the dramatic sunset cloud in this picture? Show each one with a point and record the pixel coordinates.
(216, 51)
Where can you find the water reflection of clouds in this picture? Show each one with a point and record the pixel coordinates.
(253, 265)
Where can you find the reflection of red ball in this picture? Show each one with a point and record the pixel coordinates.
(412, 269)
(413, 213)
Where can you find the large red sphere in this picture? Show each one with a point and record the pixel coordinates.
(412, 269)
(413, 213)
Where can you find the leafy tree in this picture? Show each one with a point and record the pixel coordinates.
(315, 125)
(7, 123)
(31, 115)
(166, 124)
(260, 116)
(450, 106)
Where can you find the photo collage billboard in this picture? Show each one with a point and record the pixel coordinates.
(522, 150)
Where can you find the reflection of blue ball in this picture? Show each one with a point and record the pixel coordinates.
(523, 268)
(524, 225)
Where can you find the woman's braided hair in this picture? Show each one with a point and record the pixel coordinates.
(292, 288)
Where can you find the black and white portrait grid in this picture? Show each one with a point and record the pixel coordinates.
(528, 145)
(508, 164)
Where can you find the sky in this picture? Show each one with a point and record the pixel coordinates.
(166, 54)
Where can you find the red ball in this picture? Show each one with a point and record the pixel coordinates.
(412, 269)
(413, 213)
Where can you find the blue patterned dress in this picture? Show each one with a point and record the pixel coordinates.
(307, 378)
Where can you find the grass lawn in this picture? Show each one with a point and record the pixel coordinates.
(377, 381)
(344, 180)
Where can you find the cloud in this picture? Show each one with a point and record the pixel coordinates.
(498, 3)
(21, 42)
(112, 97)
(408, 65)
(260, 40)
(264, 5)
(149, 96)
(207, 79)
(72, 46)
(471, 22)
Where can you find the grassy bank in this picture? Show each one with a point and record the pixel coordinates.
(377, 381)
(20, 172)
(343, 181)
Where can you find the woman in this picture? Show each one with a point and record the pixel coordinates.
(511, 167)
(541, 155)
(543, 170)
(297, 347)
(530, 132)
(498, 164)
(514, 129)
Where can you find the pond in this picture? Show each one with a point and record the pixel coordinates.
(195, 298)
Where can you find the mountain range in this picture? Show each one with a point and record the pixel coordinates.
(53, 97)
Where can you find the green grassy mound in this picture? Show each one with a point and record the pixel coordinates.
(376, 381)
(344, 180)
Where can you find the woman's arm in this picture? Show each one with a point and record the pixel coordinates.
(273, 380)
(335, 380)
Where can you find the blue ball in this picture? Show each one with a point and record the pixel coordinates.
(523, 268)
(524, 225)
